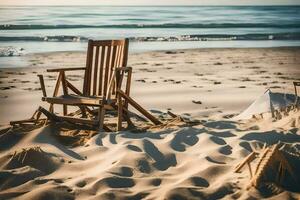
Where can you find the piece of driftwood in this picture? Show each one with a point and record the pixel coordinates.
(269, 158)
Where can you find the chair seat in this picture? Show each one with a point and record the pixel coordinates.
(76, 100)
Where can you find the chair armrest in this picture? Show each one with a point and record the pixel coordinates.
(65, 69)
(296, 83)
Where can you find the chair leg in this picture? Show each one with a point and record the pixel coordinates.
(120, 113)
(101, 117)
(65, 110)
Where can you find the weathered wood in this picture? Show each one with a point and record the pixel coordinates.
(49, 115)
(101, 114)
(22, 121)
(172, 114)
(100, 87)
(120, 113)
(66, 69)
(128, 84)
(89, 57)
(107, 67)
(296, 83)
(73, 88)
(248, 159)
(42, 85)
(65, 90)
(74, 100)
(139, 108)
(125, 53)
(55, 92)
(95, 70)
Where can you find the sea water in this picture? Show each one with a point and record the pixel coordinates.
(34, 29)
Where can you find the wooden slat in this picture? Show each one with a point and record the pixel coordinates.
(112, 68)
(120, 52)
(248, 159)
(91, 82)
(73, 101)
(22, 121)
(125, 53)
(107, 62)
(96, 71)
(128, 85)
(89, 57)
(118, 64)
(65, 90)
(101, 67)
(120, 113)
(113, 61)
(101, 114)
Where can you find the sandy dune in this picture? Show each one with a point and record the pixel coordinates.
(179, 162)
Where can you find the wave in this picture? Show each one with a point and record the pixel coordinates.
(11, 51)
(167, 25)
(60, 38)
(198, 37)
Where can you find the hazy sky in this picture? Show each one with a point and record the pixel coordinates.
(149, 2)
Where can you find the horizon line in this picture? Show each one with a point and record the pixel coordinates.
(137, 5)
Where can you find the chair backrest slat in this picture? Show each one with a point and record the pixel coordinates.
(107, 67)
(103, 56)
(96, 66)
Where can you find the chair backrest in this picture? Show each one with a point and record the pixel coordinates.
(103, 56)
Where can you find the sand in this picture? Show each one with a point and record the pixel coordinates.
(180, 160)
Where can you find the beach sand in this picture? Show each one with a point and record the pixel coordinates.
(180, 160)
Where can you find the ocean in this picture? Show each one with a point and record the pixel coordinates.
(34, 29)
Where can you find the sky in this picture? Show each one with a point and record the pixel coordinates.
(149, 2)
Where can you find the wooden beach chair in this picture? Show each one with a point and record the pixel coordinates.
(106, 66)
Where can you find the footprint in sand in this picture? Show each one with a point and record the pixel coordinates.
(81, 184)
(144, 166)
(221, 125)
(199, 182)
(156, 182)
(226, 150)
(180, 141)
(213, 160)
(218, 140)
(162, 162)
(124, 171)
(246, 146)
(39, 181)
(7, 87)
(134, 148)
(119, 182)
